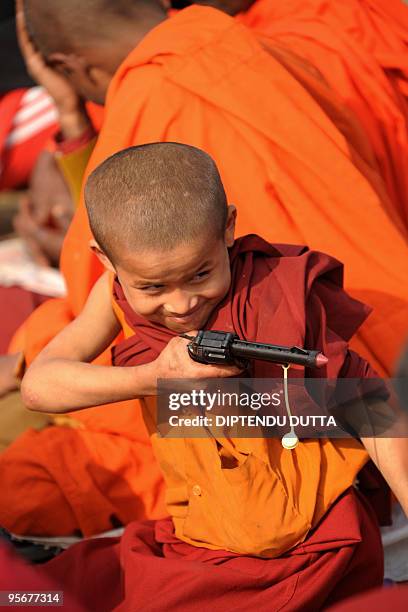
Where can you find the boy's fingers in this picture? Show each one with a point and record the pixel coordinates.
(209, 370)
(213, 371)
(232, 371)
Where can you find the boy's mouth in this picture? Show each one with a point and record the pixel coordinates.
(188, 316)
(195, 319)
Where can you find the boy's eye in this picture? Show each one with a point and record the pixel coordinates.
(201, 275)
(151, 288)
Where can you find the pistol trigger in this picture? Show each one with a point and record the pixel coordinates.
(187, 337)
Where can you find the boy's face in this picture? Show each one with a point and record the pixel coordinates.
(179, 288)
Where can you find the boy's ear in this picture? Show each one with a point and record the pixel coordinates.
(229, 235)
(96, 249)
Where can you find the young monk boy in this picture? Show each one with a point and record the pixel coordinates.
(251, 523)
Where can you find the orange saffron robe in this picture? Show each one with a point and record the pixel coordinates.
(204, 79)
(361, 49)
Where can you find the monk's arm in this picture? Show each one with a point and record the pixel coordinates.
(390, 455)
(60, 379)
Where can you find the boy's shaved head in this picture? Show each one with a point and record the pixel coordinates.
(66, 25)
(155, 197)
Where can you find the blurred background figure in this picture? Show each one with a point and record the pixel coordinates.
(36, 206)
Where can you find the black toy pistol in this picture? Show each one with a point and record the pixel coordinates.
(218, 347)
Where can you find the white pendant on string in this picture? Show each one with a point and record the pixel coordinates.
(290, 439)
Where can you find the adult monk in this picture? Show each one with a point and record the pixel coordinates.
(197, 77)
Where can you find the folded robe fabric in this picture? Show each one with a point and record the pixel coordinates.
(16, 576)
(361, 49)
(202, 78)
(393, 598)
(149, 569)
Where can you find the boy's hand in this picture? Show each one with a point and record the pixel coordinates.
(175, 362)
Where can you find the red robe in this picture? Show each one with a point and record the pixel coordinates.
(149, 569)
(393, 598)
(18, 576)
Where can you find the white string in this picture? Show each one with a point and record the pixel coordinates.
(289, 440)
(285, 388)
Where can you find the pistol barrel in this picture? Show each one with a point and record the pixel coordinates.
(277, 354)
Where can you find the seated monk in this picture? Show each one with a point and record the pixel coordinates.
(251, 524)
(292, 173)
(42, 220)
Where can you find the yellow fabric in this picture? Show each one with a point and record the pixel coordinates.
(73, 167)
(251, 496)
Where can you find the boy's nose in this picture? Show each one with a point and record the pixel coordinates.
(180, 303)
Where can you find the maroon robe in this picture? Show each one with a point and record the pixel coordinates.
(148, 568)
(393, 598)
(18, 576)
